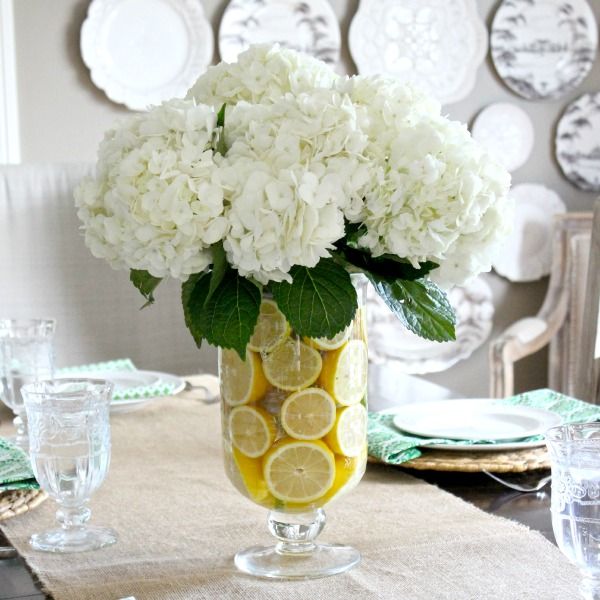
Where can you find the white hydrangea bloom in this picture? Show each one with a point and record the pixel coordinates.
(293, 167)
(261, 74)
(437, 196)
(155, 203)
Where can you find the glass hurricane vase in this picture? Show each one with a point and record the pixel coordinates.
(294, 423)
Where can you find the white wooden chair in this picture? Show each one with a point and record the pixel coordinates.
(46, 271)
(567, 320)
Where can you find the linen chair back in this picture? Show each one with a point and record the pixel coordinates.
(587, 375)
(560, 322)
(46, 271)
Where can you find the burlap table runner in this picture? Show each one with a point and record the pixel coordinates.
(180, 521)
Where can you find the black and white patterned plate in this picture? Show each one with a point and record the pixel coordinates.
(543, 49)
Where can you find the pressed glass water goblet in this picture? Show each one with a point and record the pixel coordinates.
(26, 355)
(69, 447)
(575, 457)
(294, 416)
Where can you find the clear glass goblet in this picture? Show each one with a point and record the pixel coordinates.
(26, 355)
(575, 456)
(69, 447)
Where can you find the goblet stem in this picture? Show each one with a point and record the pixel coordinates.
(73, 518)
(296, 533)
(22, 439)
(590, 588)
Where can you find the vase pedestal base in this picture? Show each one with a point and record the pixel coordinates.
(321, 560)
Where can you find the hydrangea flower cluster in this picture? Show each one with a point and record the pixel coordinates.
(307, 151)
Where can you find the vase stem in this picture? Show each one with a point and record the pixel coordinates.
(296, 532)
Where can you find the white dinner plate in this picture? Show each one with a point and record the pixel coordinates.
(474, 419)
(527, 252)
(141, 52)
(506, 131)
(125, 381)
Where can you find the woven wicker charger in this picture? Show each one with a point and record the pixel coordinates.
(16, 502)
(516, 461)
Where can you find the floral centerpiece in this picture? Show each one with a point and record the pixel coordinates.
(263, 191)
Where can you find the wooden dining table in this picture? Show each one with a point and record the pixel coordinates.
(18, 580)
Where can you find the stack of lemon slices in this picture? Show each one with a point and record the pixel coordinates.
(295, 414)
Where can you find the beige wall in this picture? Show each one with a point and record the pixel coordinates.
(63, 116)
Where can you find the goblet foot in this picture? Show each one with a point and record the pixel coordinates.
(320, 560)
(66, 541)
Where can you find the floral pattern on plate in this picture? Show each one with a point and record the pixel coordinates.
(435, 44)
(389, 340)
(543, 48)
(308, 26)
(578, 142)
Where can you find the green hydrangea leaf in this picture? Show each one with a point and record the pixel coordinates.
(193, 298)
(145, 283)
(320, 301)
(230, 314)
(219, 268)
(420, 305)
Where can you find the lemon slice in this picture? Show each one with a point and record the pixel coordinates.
(344, 373)
(292, 366)
(252, 430)
(271, 328)
(299, 471)
(308, 414)
(348, 472)
(241, 381)
(250, 472)
(349, 434)
(333, 343)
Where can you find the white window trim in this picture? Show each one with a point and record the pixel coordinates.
(10, 143)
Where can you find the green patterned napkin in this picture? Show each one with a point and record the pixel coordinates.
(159, 387)
(389, 445)
(15, 468)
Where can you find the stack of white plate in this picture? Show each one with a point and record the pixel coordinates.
(491, 423)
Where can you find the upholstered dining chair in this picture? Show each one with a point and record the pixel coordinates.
(567, 321)
(46, 271)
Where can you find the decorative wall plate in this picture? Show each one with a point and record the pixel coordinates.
(527, 253)
(543, 48)
(507, 132)
(578, 142)
(389, 340)
(141, 52)
(434, 44)
(308, 26)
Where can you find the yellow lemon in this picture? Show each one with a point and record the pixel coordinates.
(251, 474)
(308, 414)
(349, 434)
(252, 430)
(242, 381)
(348, 472)
(292, 366)
(271, 328)
(344, 373)
(299, 471)
(333, 343)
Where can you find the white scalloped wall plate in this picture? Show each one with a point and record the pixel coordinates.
(543, 48)
(436, 45)
(527, 253)
(389, 340)
(142, 52)
(578, 142)
(506, 131)
(308, 26)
